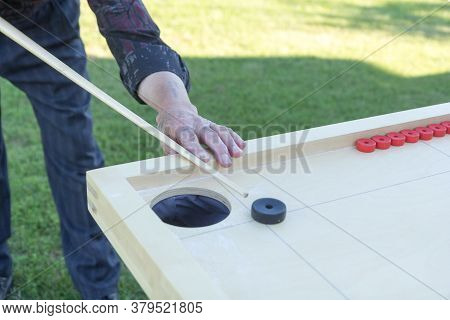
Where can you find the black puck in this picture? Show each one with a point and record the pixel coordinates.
(268, 210)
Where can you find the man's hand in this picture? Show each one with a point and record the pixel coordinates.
(184, 125)
(179, 119)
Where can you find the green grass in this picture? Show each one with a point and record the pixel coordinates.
(249, 61)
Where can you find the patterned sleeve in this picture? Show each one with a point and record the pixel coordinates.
(134, 40)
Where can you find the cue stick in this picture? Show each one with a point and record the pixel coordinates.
(20, 38)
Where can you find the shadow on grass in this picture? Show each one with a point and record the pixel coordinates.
(391, 16)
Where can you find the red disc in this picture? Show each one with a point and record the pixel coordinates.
(382, 142)
(447, 125)
(412, 136)
(438, 130)
(397, 139)
(365, 145)
(425, 133)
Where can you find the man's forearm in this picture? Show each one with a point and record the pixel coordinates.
(163, 91)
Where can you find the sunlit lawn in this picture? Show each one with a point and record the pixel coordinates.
(250, 61)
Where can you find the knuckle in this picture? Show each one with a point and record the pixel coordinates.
(211, 134)
(222, 148)
(190, 146)
(204, 130)
(185, 133)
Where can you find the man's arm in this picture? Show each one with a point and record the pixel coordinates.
(178, 118)
(134, 40)
(155, 74)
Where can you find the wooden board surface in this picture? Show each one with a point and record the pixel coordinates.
(359, 226)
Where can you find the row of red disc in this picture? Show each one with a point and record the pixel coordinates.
(398, 139)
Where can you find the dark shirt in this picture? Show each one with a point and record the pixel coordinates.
(132, 36)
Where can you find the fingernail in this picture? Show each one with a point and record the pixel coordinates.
(204, 157)
(225, 159)
(237, 151)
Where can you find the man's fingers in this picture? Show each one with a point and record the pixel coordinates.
(211, 138)
(188, 139)
(167, 150)
(237, 138)
(228, 139)
(223, 142)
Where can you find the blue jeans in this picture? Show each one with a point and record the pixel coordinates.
(62, 111)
